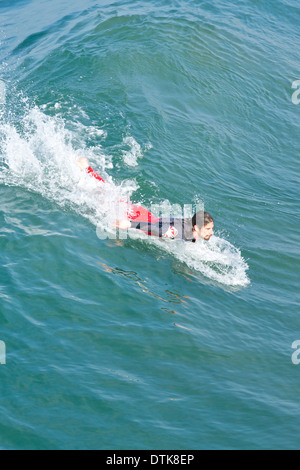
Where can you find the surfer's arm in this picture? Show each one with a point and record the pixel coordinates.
(122, 224)
(153, 229)
(164, 228)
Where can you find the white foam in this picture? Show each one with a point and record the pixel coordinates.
(39, 153)
(135, 152)
(216, 259)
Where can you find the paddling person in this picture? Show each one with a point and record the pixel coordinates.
(200, 226)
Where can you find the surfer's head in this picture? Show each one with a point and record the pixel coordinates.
(203, 225)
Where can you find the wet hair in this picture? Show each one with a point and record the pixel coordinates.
(201, 219)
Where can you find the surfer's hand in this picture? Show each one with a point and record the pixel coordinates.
(83, 163)
(122, 224)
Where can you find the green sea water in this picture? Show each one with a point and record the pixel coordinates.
(139, 343)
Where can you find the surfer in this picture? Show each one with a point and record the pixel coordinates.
(200, 226)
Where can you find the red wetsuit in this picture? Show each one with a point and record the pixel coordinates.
(135, 213)
(91, 172)
(143, 220)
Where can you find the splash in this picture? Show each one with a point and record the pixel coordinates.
(39, 153)
(217, 260)
(135, 152)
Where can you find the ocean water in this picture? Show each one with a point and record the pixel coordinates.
(140, 343)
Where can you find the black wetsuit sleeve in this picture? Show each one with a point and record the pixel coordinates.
(167, 228)
(153, 229)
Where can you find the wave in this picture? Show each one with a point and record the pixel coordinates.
(39, 153)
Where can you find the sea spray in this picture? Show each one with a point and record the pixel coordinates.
(39, 154)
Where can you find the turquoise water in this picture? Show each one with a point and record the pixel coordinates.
(141, 344)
